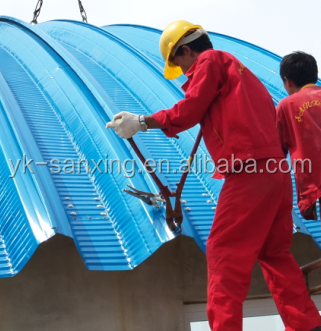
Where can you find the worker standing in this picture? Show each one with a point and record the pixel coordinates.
(299, 126)
(253, 217)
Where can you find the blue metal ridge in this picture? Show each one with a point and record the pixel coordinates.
(104, 121)
(156, 69)
(173, 85)
(108, 105)
(23, 217)
(17, 241)
(59, 30)
(153, 65)
(54, 218)
(103, 98)
(148, 179)
(154, 244)
(61, 82)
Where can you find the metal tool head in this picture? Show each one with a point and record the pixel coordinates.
(149, 198)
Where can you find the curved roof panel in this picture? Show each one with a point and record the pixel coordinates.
(60, 82)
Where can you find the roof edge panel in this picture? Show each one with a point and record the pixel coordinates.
(56, 217)
(27, 184)
(93, 88)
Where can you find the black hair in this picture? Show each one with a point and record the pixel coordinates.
(299, 67)
(198, 45)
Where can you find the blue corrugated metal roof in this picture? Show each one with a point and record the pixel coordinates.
(60, 82)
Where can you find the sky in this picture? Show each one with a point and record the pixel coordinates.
(280, 26)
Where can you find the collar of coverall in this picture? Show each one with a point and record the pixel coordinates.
(307, 85)
(191, 70)
(189, 73)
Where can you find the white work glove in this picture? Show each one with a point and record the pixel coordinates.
(125, 124)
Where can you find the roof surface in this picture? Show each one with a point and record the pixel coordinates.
(60, 82)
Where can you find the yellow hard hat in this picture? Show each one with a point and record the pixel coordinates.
(170, 38)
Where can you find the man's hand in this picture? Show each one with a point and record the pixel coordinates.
(125, 124)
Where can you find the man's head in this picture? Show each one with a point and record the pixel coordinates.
(180, 45)
(187, 54)
(297, 70)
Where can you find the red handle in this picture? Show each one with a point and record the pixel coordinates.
(164, 189)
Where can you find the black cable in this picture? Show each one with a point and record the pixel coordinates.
(82, 12)
(36, 12)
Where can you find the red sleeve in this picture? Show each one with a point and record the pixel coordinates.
(281, 126)
(203, 89)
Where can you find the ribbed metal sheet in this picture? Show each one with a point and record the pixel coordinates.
(141, 88)
(60, 82)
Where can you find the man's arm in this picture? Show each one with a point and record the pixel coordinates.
(204, 87)
(280, 124)
(202, 91)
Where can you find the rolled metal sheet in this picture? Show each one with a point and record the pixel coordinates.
(60, 82)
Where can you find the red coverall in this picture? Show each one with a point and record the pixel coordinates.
(299, 125)
(253, 218)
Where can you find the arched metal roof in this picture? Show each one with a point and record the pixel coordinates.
(60, 82)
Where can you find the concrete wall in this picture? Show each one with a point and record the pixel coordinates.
(56, 292)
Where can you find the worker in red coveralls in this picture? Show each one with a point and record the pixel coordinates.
(253, 217)
(299, 125)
